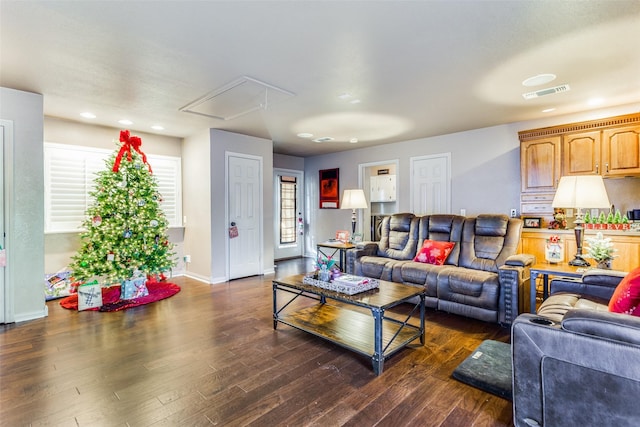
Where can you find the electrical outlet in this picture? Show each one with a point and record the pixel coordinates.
(514, 213)
(463, 212)
(187, 258)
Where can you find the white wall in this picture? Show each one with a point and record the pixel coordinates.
(222, 142)
(24, 186)
(196, 204)
(60, 247)
(485, 170)
(282, 161)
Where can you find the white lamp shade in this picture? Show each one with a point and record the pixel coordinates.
(353, 199)
(581, 191)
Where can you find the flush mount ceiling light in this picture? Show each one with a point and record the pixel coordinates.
(88, 115)
(323, 139)
(547, 91)
(237, 98)
(538, 80)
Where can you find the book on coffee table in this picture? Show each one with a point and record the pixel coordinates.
(353, 281)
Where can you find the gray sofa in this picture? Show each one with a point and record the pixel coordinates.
(482, 278)
(575, 363)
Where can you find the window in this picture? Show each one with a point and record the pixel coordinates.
(288, 209)
(70, 171)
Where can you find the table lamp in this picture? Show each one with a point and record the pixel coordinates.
(581, 192)
(353, 199)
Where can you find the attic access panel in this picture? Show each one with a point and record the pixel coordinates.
(237, 98)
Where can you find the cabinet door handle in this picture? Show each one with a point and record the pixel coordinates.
(606, 167)
(597, 168)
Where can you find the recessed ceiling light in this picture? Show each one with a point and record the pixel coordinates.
(353, 140)
(125, 122)
(305, 135)
(548, 110)
(88, 115)
(538, 80)
(595, 101)
(157, 127)
(345, 96)
(355, 101)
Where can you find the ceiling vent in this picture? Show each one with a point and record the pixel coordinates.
(237, 98)
(548, 91)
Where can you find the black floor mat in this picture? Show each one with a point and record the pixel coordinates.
(488, 368)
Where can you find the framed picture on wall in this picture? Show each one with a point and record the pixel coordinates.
(329, 189)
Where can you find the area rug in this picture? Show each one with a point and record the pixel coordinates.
(111, 297)
(488, 368)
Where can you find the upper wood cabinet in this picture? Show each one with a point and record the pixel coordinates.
(540, 164)
(621, 151)
(581, 153)
(609, 147)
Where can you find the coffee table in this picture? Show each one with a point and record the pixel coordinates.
(336, 317)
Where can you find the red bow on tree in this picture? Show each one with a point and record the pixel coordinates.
(129, 142)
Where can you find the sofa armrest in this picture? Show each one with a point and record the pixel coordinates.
(514, 289)
(361, 249)
(520, 260)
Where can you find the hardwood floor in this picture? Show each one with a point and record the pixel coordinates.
(210, 356)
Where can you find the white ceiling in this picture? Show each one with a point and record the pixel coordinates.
(420, 68)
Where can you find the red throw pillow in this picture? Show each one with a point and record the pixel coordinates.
(626, 297)
(434, 252)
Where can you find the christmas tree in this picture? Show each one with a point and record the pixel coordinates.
(126, 230)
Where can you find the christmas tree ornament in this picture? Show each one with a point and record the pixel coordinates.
(153, 223)
(141, 202)
(97, 220)
(111, 256)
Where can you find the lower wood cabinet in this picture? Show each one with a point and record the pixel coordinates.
(627, 243)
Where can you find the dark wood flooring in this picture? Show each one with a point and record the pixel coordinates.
(210, 356)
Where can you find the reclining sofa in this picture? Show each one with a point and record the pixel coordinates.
(575, 362)
(482, 277)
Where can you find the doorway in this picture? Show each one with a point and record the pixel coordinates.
(244, 212)
(381, 202)
(289, 224)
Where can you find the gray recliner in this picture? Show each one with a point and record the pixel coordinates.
(575, 363)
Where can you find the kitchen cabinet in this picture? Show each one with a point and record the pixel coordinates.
(383, 188)
(621, 151)
(540, 164)
(581, 153)
(627, 244)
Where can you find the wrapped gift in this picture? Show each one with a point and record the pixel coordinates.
(134, 288)
(89, 295)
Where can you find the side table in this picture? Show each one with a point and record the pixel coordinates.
(547, 269)
(329, 249)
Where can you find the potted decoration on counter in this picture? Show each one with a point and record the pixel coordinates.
(601, 250)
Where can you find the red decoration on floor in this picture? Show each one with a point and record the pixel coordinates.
(111, 297)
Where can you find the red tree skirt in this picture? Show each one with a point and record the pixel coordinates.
(111, 297)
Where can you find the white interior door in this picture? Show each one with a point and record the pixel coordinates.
(244, 211)
(288, 217)
(431, 184)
